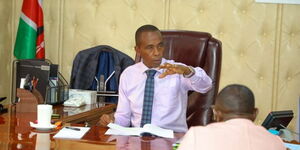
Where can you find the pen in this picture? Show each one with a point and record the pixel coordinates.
(72, 128)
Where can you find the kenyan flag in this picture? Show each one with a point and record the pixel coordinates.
(30, 36)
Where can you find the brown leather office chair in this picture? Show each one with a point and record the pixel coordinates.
(196, 49)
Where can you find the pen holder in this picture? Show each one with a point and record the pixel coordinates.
(28, 100)
(57, 90)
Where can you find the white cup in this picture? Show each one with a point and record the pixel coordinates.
(44, 115)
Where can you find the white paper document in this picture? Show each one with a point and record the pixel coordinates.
(71, 133)
(115, 129)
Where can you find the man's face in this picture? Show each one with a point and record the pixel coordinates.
(150, 48)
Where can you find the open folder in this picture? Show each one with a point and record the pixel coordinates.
(115, 129)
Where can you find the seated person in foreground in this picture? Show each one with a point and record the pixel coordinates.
(172, 81)
(235, 112)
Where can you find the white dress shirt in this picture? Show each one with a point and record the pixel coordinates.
(169, 101)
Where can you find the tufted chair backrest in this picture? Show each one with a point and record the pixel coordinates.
(196, 49)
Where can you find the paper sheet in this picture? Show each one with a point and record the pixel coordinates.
(71, 134)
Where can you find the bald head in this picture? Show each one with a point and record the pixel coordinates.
(236, 101)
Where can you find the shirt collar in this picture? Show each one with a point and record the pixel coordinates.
(143, 67)
(239, 120)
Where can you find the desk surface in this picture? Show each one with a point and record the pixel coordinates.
(15, 133)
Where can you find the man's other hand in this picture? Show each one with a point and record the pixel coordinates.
(105, 119)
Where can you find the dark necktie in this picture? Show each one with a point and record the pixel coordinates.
(148, 98)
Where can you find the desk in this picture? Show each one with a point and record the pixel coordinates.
(15, 133)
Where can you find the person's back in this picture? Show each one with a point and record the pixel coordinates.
(234, 112)
(234, 134)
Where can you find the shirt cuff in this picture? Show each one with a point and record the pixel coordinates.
(192, 72)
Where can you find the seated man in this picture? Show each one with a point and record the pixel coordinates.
(165, 101)
(234, 111)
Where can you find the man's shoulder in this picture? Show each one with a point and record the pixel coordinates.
(212, 128)
(205, 129)
(130, 71)
(131, 68)
(214, 125)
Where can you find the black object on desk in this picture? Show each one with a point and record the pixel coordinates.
(278, 119)
(29, 68)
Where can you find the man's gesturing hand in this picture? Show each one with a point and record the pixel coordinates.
(174, 69)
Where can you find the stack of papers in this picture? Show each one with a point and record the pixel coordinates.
(70, 133)
(148, 128)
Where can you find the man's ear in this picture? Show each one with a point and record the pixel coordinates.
(255, 112)
(218, 116)
(137, 50)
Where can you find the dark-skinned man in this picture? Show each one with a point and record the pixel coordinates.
(234, 112)
(169, 84)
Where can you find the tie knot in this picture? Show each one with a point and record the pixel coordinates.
(150, 73)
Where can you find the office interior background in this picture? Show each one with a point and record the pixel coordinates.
(260, 41)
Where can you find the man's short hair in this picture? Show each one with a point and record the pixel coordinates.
(144, 28)
(237, 99)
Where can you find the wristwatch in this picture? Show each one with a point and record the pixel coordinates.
(192, 72)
